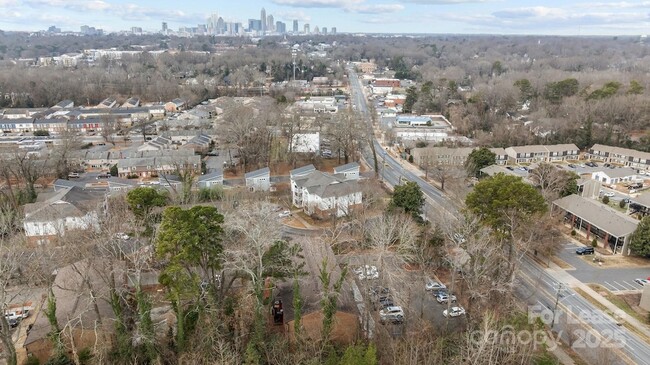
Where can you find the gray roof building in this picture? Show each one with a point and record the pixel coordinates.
(599, 220)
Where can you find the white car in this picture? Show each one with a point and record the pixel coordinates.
(445, 297)
(454, 312)
(285, 214)
(609, 194)
(122, 236)
(434, 285)
(642, 282)
(641, 172)
(367, 272)
(393, 314)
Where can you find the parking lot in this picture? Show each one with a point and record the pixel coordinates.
(399, 287)
(614, 279)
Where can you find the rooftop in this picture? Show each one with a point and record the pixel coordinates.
(598, 214)
(302, 170)
(258, 173)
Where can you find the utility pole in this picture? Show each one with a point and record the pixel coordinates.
(557, 301)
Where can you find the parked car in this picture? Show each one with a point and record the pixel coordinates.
(284, 214)
(582, 165)
(642, 172)
(585, 251)
(454, 312)
(367, 272)
(609, 194)
(385, 302)
(642, 282)
(393, 314)
(73, 175)
(433, 285)
(572, 166)
(445, 297)
(377, 290)
(103, 176)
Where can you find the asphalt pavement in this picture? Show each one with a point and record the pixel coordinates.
(614, 279)
(539, 288)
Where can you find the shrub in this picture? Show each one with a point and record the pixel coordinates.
(113, 170)
(41, 133)
(605, 200)
(411, 158)
(132, 176)
(621, 204)
(594, 243)
(573, 232)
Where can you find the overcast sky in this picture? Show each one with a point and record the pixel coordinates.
(398, 16)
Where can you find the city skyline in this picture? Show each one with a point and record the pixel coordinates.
(551, 17)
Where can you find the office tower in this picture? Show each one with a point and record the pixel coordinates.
(306, 28)
(270, 22)
(280, 27)
(164, 27)
(316, 30)
(136, 30)
(263, 20)
(254, 25)
(333, 30)
(221, 26)
(324, 31)
(295, 26)
(212, 23)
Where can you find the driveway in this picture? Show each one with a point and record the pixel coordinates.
(614, 279)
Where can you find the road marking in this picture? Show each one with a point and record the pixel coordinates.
(611, 287)
(619, 284)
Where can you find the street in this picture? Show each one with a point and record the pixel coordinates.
(537, 287)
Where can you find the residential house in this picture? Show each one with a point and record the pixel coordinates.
(323, 195)
(157, 144)
(349, 171)
(17, 125)
(209, 180)
(117, 184)
(62, 184)
(615, 176)
(199, 143)
(83, 297)
(67, 209)
(259, 180)
(107, 103)
(543, 153)
(598, 221)
(64, 104)
(171, 181)
(175, 105)
(131, 103)
(53, 126)
(296, 192)
(622, 156)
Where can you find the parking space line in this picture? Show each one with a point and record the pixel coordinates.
(611, 287)
(632, 285)
(621, 285)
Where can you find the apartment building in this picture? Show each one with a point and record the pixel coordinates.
(618, 155)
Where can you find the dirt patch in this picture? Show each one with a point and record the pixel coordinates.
(345, 329)
(617, 261)
(294, 223)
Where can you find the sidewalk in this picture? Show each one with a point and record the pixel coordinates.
(564, 277)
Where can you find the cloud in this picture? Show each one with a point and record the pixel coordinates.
(317, 3)
(445, 2)
(539, 18)
(375, 9)
(292, 15)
